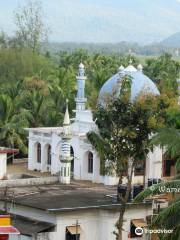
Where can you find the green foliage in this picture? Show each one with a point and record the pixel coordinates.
(17, 64)
(168, 218)
(165, 72)
(39, 85)
(169, 138)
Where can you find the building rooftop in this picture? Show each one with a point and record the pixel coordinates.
(8, 150)
(28, 226)
(59, 197)
(45, 129)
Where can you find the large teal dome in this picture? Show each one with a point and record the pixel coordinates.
(140, 84)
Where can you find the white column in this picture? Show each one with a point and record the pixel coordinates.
(65, 173)
(43, 157)
(31, 154)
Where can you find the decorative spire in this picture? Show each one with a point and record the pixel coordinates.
(130, 57)
(66, 123)
(130, 61)
(66, 116)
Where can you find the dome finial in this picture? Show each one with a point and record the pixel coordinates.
(130, 57)
(140, 67)
(130, 61)
(81, 65)
(121, 68)
(66, 116)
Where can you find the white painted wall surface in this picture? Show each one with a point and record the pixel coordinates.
(3, 165)
(81, 146)
(154, 164)
(98, 224)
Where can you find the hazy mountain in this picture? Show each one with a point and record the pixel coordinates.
(142, 21)
(108, 48)
(172, 41)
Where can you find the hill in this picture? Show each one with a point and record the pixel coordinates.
(172, 41)
(108, 48)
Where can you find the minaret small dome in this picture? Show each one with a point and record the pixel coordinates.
(121, 68)
(140, 67)
(81, 65)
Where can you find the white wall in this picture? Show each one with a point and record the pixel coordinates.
(81, 146)
(3, 165)
(98, 224)
(154, 164)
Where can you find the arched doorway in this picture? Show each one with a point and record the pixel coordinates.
(38, 152)
(90, 162)
(48, 154)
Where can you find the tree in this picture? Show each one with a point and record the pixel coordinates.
(12, 122)
(169, 139)
(34, 99)
(123, 138)
(168, 218)
(165, 72)
(18, 64)
(31, 30)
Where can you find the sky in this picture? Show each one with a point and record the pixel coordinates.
(142, 21)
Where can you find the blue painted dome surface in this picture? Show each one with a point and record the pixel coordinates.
(140, 84)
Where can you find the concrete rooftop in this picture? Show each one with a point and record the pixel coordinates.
(59, 197)
(62, 197)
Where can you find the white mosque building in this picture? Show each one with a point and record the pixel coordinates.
(66, 150)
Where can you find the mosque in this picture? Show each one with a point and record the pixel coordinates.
(66, 151)
(79, 209)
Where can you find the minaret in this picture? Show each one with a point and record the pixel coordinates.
(80, 98)
(66, 158)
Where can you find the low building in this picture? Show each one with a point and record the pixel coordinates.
(3, 160)
(65, 212)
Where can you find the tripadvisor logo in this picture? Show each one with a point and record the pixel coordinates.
(139, 231)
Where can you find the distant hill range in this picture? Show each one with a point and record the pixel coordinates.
(110, 48)
(172, 41)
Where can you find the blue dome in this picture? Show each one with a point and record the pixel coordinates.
(140, 84)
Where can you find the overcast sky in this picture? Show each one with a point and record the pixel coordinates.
(103, 20)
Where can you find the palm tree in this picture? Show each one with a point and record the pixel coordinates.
(168, 218)
(12, 123)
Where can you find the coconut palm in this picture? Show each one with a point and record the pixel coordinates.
(12, 122)
(168, 218)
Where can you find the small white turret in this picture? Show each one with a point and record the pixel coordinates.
(65, 157)
(121, 68)
(140, 68)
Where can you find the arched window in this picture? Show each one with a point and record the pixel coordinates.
(49, 155)
(72, 161)
(39, 153)
(90, 162)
